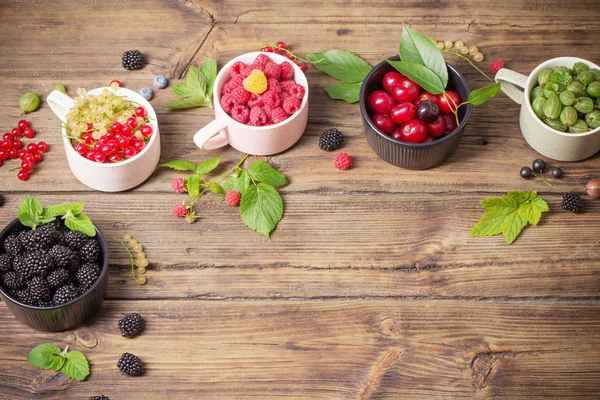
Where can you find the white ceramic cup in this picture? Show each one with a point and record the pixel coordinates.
(109, 177)
(561, 146)
(254, 140)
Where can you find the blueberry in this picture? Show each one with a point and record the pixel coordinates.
(147, 93)
(525, 172)
(557, 172)
(160, 82)
(539, 165)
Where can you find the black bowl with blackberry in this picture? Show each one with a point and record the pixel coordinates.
(52, 278)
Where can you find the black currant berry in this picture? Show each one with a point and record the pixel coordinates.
(539, 165)
(557, 172)
(525, 172)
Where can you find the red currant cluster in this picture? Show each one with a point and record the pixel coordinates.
(12, 147)
(282, 49)
(121, 142)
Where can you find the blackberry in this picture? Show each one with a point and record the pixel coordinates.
(130, 365)
(18, 264)
(133, 59)
(64, 257)
(65, 294)
(331, 139)
(131, 325)
(28, 239)
(38, 263)
(5, 263)
(11, 281)
(59, 277)
(47, 236)
(74, 240)
(90, 251)
(39, 290)
(572, 202)
(101, 397)
(87, 275)
(13, 245)
(58, 225)
(24, 296)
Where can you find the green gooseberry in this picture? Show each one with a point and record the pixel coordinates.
(580, 126)
(593, 89)
(596, 73)
(544, 76)
(593, 119)
(537, 92)
(553, 108)
(568, 116)
(60, 87)
(577, 88)
(538, 106)
(584, 105)
(567, 97)
(549, 93)
(579, 67)
(586, 77)
(556, 124)
(562, 68)
(29, 102)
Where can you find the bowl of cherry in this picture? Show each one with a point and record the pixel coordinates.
(407, 126)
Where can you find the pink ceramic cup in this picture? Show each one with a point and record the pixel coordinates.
(254, 140)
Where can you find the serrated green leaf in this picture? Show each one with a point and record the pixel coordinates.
(30, 211)
(182, 90)
(422, 75)
(216, 188)
(44, 355)
(340, 64)
(513, 225)
(208, 165)
(193, 185)
(76, 366)
(417, 48)
(349, 92)
(483, 94)
(238, 182)
(209, 72)
(262, 171)
(62, 209)
(180, 165)
(81, 223)
(188, 102)
(261, 208)
(58, 363)
(195, 81)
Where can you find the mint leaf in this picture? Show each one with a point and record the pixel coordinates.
(349, 92)
(198, 86)
(483, 94)
(193, 185)
(63, 208)
(263, 172)
(44, 355)
(238, 182)
(422, 75)
(417, 48)
(30, 211)
(209, 72)
(182, 90)
(180, 165)
(261, 208)
(208, 165)
(340, 64)
(58, 363)
(76, 366)
(81, 223)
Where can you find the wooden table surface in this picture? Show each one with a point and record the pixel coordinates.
(371, 287)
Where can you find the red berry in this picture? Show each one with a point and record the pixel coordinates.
(277, 51)
(81, 149)
(381, 102)
(405, 91)
(130, 151)
(16, 132)
(496, 66)
(132, 121)
(29, 133)
(179, 210)
(23, 175)
(90, 155)
(22, 154)
(115, 157)
(178, 185)
(1, 162)
(397, 133)
(450, 120)
(141, 112)
(146, 130)
(426, 96)
(414, 131)
(38, 157)
(403, 112)
(111, 134)
(127, 129)
(118, 83)
(117, 127)
(23, 124)
(7, 145)
(99, 156)
(7, 136)
(290, 57)
(448, 102)
(29, 157)
(437, 128)
(26, 166)
(106, 149)
(104, 139)
(343, 161)
(13, 153)
(232, 197)
(3, 154)
(88, 137)
(391, 79)
(266, 49)
(139, 144)
(384, 123)
(302, 67)
(42, 146)
(32, 148)
(123, 142)
(17, 144)
(428, 139)
(281, 45)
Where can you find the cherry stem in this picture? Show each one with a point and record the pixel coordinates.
(468, 59)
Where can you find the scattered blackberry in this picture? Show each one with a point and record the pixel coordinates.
(11, 281)
(59, 277)
(87, 275)
(130, 365)
(131, 325)
(38, 263)
(133, 59)
(331, 139)
(13, 245)
(90, 251)
(23, 296)
(74, 240)
(101, 397)
(5, 262)
(39, 290)
(64, 257)
(572, 202)
(65, 294)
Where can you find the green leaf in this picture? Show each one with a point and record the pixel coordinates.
(261, 208)
(62, 209)
(263, 172)
(208, 165)
(216, 188)
(349, 92)
(182, 90)
(30, 211)
(43, 355)
(483, 94)
(195, 81)
(422, 75)
(417, 48)
(193, 185)
(81, 223)
(76, 366)
(180, 165)
(239, 182)
(188, 102)
(561, 77)
(340, 64)
(58, 363)
(209, 72)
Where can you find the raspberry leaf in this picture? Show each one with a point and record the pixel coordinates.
(208, 165)
(483, 94)
(209, 72)
(238, 182)
(198, 87)
(422, 75)
(417, 48)
(217, 189)
(261, 208)
(341, 65)
(44, 355)
(76, 366)
(193, 185)
(262, 171)
(349, 92)
(180, 165)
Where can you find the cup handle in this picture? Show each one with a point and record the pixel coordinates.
(509, 80)
(60, 104)
(212, 136)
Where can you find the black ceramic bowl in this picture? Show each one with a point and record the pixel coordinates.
(68, 315)
(412, 155)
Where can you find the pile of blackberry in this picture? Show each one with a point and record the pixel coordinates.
(48, 266)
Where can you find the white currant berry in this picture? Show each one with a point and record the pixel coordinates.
(136, 247)
(141, 270)
(448, 44)
(440, 45)
(464, 50)
(478, 57)
(142, 280)
(459, 44)
(473, 50)
(127, 237)
(133, 242)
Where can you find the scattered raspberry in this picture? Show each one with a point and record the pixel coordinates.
(271, 99)
(240, 113)
(179, 210)
(291, 105)
(273, 70)
(256, 82)
(238, 68)
(273, 86)
(177, 185)
(232, 197)
(256, 100)
(227, 102)
(496, 66)
(258, 116)
(262, 60)
(343, 161)
(240, 95)
(278, 115)
(287, 71)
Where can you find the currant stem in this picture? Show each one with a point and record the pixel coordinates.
(541, 176)
(468, 59)
(122, 243)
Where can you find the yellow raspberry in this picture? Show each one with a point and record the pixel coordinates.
(256, 82)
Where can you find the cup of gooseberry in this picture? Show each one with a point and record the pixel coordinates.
(111, 171)
(420, 154)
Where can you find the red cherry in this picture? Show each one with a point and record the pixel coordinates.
(26, 166)
(99, 156)
(81, 149)
(115, 157)
(13, 153)
(22, 154)
(29, 133)
(426, 96)
(282, 45)
(17, 144)
(129, 152)
(448, 102)
(403, 112)
(266, 49)
(146, 131)
(42, 146)
(7, 136)
(141, 112)
(23, 124)
(38, 157)
(405, 91)
(132, 121)
(450, 120)
(16, 132)
(414, 131)
(127, 129)
(118, 83)
(139, 145)
(428, 139)
(3, 154)
(397, 133)
(384, 123)
(391, 79)
(381, 102)
(32, 148)
(23, 175)
(437, 128)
